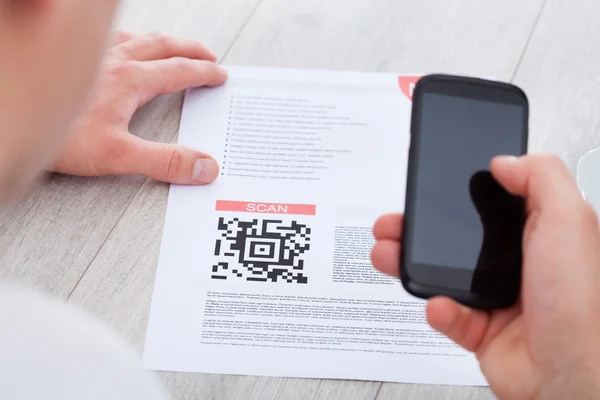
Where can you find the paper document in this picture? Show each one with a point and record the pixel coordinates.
(267, 271)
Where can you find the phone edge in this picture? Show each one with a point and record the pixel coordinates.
(427, 292)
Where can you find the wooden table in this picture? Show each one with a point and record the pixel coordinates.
(95, 242)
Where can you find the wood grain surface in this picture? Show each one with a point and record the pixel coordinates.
(95, 242)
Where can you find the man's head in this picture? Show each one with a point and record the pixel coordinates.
(50, 52)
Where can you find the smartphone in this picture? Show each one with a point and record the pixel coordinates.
(462, 232)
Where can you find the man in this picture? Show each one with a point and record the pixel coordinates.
(50, 57)
(548, 346)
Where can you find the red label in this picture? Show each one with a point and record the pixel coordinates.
(407, 84)
(266, 208)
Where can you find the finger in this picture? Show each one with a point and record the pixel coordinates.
(167, 163)
(158, 46)
(388, 227)
(119, 37)
(385, 257)
(466, 327)
(498, 321)
(539, 178)
(175, 74)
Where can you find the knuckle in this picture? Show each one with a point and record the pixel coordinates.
(180, 63)
(551, 158)
(126, 74)
(548, 161)
(546, 167)
(175, 157)
(159, 39)
(114, 149)
(124, 69)
(121, 35)
(114, 54)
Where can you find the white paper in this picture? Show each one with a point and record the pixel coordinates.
(332, 144)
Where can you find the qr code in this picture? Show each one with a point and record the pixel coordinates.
(261, 250)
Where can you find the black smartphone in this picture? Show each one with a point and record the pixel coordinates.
(462, 233)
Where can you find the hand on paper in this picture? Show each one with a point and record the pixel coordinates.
(548, 345)
(137, 68)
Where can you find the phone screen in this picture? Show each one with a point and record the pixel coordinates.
(461, 219)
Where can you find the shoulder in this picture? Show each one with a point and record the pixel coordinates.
(53, 350)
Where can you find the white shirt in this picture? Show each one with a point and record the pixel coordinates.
(50, 350)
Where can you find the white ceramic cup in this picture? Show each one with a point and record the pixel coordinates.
(588, 178)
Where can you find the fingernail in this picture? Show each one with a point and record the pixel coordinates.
(205, 170)
(508, 159)
(223, 72)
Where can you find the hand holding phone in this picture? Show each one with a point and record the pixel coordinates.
(548, 344)
(462, 233)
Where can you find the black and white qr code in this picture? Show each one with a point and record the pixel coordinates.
(266, 250)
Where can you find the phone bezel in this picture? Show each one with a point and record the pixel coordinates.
(425, 280)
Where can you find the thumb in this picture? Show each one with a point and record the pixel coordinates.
(465, 326)
(540, 178)
(170, 163)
